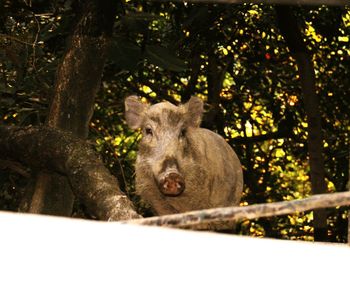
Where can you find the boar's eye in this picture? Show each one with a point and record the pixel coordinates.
(183, 133)
(148, 131)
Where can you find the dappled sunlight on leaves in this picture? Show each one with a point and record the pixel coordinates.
(167, 51)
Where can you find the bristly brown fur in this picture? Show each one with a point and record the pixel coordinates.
(201, 159)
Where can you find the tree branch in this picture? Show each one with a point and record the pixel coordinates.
(260, 138)
(270, 2)
(58, 151)
(14, 166)
(290, 30)
(248, 212)
(12, 38)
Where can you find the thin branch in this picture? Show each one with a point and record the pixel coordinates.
(248, 212)
(28, 3)
(15, 39)
(14, 166)
(35, 39)
(260, 138)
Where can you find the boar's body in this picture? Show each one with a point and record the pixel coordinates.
(181, 167)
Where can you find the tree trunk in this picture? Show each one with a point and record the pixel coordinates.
(77, 82)
(291, 32)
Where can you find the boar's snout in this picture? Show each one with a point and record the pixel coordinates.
(172, 184)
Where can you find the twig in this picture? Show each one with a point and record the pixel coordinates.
(35, 39)
(248, 212)
(15, 39)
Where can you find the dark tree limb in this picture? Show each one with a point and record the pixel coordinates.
(216, 75)
(288, 25)
(270, 2)
(14, 166)
(60, 152)
(247, 212)
(195, 64)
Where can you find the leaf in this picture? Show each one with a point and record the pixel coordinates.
(125, 54)
(137, 22)
(198, 17)
(163, 58)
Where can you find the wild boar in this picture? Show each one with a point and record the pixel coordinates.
(181, 167)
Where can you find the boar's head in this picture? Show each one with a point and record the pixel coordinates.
(167, 139)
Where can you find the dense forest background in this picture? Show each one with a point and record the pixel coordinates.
(242, 60)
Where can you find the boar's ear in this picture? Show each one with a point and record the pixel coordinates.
(134, 110)
(194, 111)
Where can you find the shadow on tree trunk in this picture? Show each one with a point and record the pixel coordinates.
(77, 82)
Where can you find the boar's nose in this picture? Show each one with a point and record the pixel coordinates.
(172, 184)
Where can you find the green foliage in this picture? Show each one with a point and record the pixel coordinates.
(165, 51)
(161, 57)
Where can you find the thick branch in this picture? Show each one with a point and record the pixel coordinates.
(248, 212)
(270, 2)
(54, 150)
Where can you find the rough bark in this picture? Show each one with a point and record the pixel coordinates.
(77, 82)
(63, 153)
(291, 32)
(248, 212)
